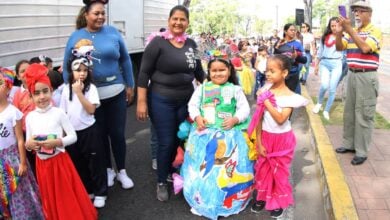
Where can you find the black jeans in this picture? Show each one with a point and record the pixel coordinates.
(111, 122)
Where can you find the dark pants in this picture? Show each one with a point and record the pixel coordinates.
(87, 155)
(111, 121)
(260, 81)
(292, 81)
(166, 116)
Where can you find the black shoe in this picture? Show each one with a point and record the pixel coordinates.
(258, 206)
(343, 150)
(276, 213)
(358, 160)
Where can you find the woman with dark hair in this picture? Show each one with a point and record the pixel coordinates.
(170, 63)
(113, 77)
(329, 64)
(292, 48)
(308, 42)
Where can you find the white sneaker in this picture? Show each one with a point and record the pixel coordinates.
(326, 115)
(193, 211)
(154, 164)
(316, 108)
(110, 177)
(99, 202)
(122, 177)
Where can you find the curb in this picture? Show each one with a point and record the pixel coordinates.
(337, 197)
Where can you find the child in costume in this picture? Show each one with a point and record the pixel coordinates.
(275, 139)
(48, 131)
(217, 172)
(79, 100)
(19, 197)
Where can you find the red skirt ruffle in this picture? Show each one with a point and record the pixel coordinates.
(62, 192)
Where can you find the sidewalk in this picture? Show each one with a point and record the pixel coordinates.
(368, 183)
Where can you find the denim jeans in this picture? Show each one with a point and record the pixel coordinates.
(153, 141)
(166, 115)
(330, 72)
(307, 66)
(111, 121)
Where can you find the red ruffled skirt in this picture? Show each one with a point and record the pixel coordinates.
(62, 192)
(272, 172)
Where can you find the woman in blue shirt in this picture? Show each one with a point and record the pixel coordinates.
(113, 77)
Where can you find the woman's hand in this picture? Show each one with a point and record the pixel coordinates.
(22, 170)
(228, 123)
(142, 111)
(129, 95)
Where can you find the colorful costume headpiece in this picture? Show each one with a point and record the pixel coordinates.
(8, 76)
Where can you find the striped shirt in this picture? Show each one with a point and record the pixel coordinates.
(355, 57)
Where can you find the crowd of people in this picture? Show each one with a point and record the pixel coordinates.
(57, 128)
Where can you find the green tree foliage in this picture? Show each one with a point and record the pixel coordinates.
(215, 16)
(325, 9)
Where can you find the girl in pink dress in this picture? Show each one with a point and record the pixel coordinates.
(275, 139)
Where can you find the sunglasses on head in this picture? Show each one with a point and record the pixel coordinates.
(76, 63)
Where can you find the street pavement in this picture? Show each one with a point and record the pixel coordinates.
(369, 183)
(141, 203)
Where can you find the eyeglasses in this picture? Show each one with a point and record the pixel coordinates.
(303, 26)
(76, 63)
(359, 11)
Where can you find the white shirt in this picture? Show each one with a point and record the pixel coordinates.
(242, 105)
(51, 120)
(8, 118)
(292, 101)
(78, 116)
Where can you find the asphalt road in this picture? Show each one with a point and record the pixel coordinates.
(141, 203)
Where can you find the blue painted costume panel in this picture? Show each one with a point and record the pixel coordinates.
(217, 172)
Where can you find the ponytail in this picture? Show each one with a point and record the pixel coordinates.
(81, 22)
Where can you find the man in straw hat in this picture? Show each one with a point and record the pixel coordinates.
(363, 44)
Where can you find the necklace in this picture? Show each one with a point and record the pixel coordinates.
(93, 33)
(167, 35)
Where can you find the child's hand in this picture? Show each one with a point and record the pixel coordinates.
(78, 87)
(201, 122)
(262, 151)
(50, 143)
(22, 169)
(32, 144)
(228, 123)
